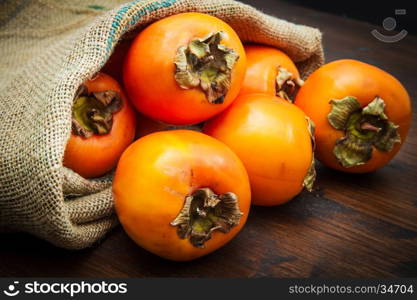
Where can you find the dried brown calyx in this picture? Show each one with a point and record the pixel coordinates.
(364, 127)
(310, 177)
(207, 64)
(92, 113)
(286, 85)
(204, 212)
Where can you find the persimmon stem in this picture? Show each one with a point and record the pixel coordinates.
(369, 126)
(310, 177)
(364, 127)
(92, 113)
(205, 212)
(207, 64)
(286, 86)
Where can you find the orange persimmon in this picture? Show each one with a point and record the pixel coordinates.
(181, 194)
(103, 125)
(270, 71)
(185, 68)
(362, 114)
(272, 137)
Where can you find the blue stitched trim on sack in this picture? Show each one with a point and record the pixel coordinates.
(96, 7)
(151, 7)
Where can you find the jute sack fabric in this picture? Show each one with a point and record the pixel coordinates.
(48, 48)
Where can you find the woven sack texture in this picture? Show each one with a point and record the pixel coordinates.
(49, 48)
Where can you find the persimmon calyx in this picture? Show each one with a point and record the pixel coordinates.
(364, 129)
(204, 212)
(92, 113)
(286, 86)
(207, 64)
(310, 177)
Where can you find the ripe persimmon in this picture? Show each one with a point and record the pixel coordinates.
(103, 125)
(362, 114)
(181, 194)
(185, 68)
(270, 71)
(273, 138)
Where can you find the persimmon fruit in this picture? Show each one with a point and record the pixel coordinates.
(270, 71)
(273, 138)
(362, 115)
(185, 68)
(103, 125)
(181, 194)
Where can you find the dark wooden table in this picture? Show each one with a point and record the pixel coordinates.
(354, 226)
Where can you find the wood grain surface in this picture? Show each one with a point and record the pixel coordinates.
(352, 226)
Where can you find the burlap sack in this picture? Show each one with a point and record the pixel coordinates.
(48, 48)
